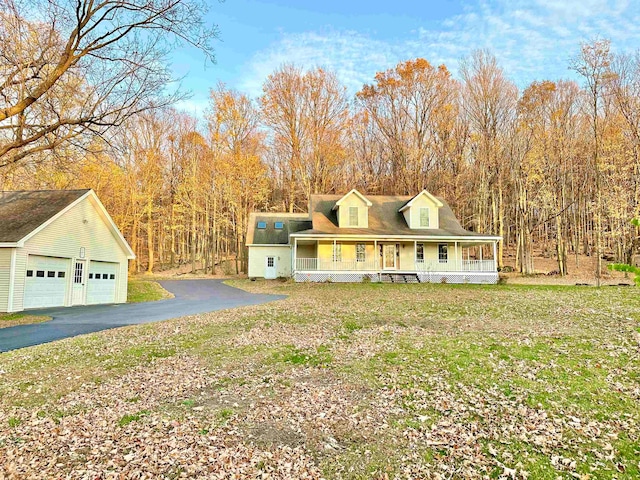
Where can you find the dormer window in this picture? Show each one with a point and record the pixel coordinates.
(353, 216)
(262, 225)
(424, 217)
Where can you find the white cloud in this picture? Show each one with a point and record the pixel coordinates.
(532, 41)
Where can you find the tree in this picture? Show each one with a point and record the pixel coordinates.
(73, 69)
(593, 64)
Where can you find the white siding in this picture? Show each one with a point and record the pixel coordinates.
(412, 214)
(5, 266)
(257, 260)
(80, 227)
(353, 200)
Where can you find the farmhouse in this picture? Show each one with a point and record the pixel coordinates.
(379, 238)
(59, 248)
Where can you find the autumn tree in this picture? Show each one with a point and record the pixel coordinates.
(489, 101)
(74, 69)
(593, 64)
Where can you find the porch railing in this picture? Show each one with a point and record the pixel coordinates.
(319, 264)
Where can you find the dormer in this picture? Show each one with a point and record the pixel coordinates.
(422, 211)
(353, 210)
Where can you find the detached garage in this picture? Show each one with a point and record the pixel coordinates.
(59, 248)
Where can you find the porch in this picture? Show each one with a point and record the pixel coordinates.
(403, 261)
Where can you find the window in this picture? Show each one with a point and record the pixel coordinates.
(337, 252)
(61, 274)
(353, 216)
(91, 276)
(40, 273)
(77, 274)
(112, 276)
(360, 252)
(29, 273)
(262, 225)
(105, 276)
(424, 217)
(51, 274)
(279, 225)
(420, 252)
(442, 252)
(271, 262)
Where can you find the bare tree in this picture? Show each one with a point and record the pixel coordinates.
(72, 69)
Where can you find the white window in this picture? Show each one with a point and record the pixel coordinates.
(420, 252)
(353, 216)
(360, 252)
(271, 262)
(442, 252)
(337, 252)
(424, 217)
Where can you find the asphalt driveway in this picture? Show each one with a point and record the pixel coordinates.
(191, 297)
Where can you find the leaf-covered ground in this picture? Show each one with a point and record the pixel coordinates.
(341, 381)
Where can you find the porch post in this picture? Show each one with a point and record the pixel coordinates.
(415, 255)
(480, 246)
(495, 256)
(295, 254)
(375, 254)
(456, 252)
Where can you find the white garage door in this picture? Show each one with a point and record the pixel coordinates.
(46, 282)
(101, 285)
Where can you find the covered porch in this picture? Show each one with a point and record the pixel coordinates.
(452, 260)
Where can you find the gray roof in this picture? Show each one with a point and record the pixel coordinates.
(384, 218)
(292, 223)
(23, 211)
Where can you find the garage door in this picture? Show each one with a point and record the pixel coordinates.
(46, 282)
(101, 284)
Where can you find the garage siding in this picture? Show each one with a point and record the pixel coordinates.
(257, 260)
(5, 267)
(89, 230)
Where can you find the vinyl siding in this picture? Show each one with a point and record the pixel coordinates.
(5, 266)
(19, 279)
(412, 214)
(353, 200)
(81, 226)
(257, 260)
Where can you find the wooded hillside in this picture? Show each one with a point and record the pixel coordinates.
(554, 168)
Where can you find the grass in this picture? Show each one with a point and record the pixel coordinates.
(367, 380)
(146, 291)
(13, 319)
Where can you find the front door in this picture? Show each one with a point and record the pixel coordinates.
(79, 276)
(389, 257)
(270, 267)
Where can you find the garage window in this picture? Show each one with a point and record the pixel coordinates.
(29, 273)
(60, 274)
(40, 273)
(51, 274)
(91, 276)
(112, 276)
(105, 276)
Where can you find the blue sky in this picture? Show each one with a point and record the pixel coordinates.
(532, 39)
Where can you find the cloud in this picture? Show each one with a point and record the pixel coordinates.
(532, 40)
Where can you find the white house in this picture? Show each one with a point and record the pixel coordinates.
(347, 238)
(59, 248)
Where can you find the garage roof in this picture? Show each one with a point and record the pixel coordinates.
(22, 212)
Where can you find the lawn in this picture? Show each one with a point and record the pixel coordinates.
(341, 381)
(13, 319)
(145, 291)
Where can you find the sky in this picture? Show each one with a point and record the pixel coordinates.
(532, 39)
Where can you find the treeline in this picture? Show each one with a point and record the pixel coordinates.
(553, 169)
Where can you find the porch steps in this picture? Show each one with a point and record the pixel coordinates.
(400, 278)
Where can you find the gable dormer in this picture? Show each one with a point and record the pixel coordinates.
(422, 211)
(353, 210)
